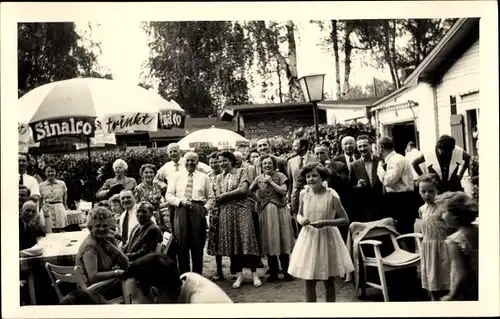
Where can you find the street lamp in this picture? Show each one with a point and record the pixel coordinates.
(312, 87)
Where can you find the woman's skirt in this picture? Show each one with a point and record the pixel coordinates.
(236, 230)
(57, 214)
(276, 230)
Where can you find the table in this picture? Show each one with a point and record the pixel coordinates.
(74, 217)
(58, 249)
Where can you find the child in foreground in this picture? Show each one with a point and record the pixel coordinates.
(435, 261)
(460, 211)
(320, 253)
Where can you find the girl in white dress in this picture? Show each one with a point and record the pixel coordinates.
(320, 252)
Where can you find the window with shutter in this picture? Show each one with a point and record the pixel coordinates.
(457, 129)
(453, 105)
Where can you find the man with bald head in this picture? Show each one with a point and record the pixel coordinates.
(348, 147)
(190, 192)
(176, 164)
(29, 229)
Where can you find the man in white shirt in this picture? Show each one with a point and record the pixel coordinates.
(395, 173)
(412, 153)
(175, 165)
(128, 219)
(190, 192)
(29, 182)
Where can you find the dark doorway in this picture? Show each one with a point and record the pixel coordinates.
(402, 133)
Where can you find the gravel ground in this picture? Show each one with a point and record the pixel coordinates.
(282, 291)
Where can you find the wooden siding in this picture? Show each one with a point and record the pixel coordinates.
(461, 77)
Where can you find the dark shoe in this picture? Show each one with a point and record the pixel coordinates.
(288, 277)
(272, 278)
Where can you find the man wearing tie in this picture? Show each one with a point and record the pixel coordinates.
(128, 219)
(190, 192)
(170, 168)
(348, 146)
(302, 157)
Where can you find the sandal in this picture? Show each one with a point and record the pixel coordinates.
(256, 281)
(238, 282)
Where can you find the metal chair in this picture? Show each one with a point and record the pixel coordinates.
(74, 274)
(398, 259)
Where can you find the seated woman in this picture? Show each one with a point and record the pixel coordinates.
(98, 255)
(146, 236)
(155, 278)
(152, 191)
(119, 168)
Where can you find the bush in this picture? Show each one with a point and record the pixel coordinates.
(282, 145)
(74, 171)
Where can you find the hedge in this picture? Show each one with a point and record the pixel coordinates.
(73, 168)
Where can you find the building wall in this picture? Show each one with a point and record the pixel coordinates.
(278, 123)
(422, 94)
(343, 115)
(462, 77)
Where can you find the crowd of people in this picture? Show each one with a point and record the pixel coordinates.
(293, 211)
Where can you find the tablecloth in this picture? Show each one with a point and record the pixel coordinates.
(58, 249)
(74, 217)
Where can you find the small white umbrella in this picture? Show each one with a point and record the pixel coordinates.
(213, 137)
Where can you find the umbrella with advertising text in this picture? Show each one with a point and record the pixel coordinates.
(81, 109)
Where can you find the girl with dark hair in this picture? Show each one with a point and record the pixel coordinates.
(435, 261)
(320, 253)
(460, 211)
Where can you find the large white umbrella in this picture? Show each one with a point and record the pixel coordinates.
(114, 105)
(213, 137)
(79, 109)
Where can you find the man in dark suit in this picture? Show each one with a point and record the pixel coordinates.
(29, 230)
(367, 190)
(348, 147)
(145, 236)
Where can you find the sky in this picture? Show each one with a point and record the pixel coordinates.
(124, 50)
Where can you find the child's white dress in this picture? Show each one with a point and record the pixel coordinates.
(319, 253)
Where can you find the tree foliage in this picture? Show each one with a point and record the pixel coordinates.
(50, 52)
(380, 40)
(199, 64)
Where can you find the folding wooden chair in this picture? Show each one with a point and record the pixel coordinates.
(398, 259)
(73, 274)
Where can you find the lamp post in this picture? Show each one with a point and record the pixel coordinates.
(312, 87)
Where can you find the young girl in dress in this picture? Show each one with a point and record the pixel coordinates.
(435, 261)
(460, 211)
(319, 253)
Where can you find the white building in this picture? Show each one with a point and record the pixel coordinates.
(347, 110)
(441, 96)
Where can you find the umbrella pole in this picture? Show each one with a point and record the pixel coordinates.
(91, 188)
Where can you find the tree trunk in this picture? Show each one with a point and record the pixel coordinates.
(293, 83)
(335, 42)
(347, 62)
(393, 52)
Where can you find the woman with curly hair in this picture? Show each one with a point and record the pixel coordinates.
(98, 255)
(150, 191)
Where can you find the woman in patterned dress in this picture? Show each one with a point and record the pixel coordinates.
(53, 194)
(237, 238)
(275, 222)
(213, 161)
(152, 192)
